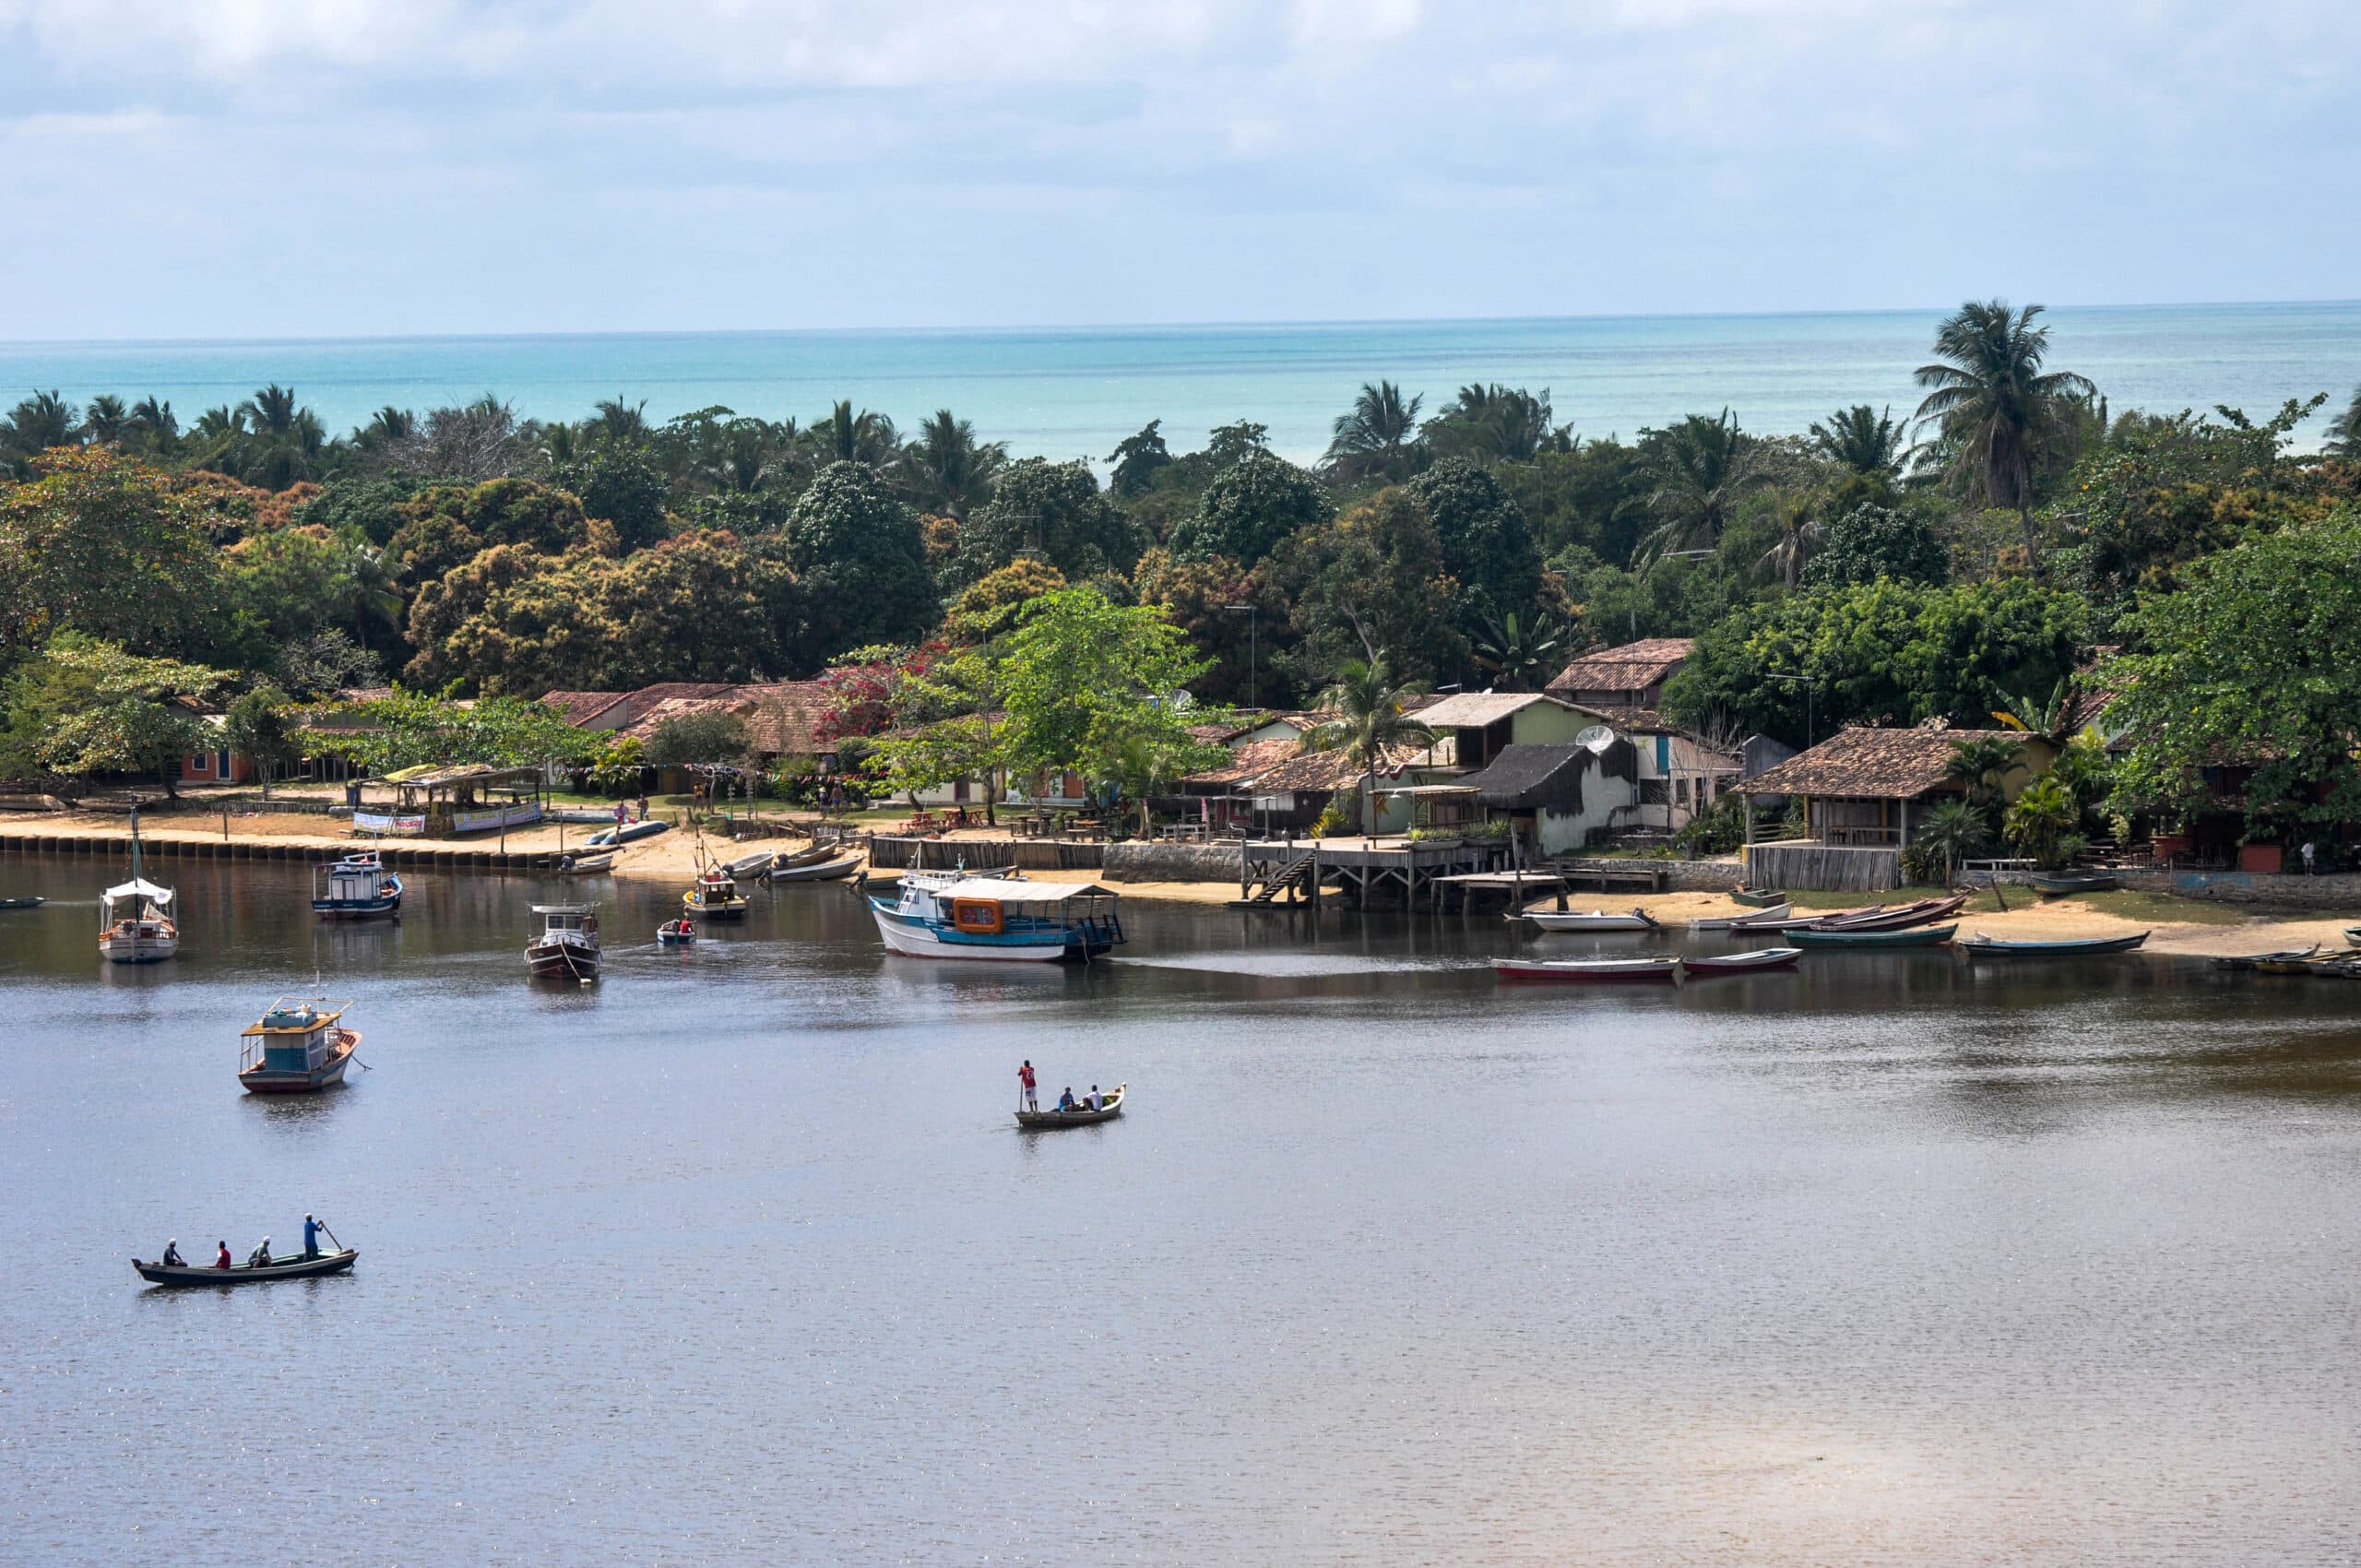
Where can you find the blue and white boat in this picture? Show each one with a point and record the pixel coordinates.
(357, 887)
(1002, 919)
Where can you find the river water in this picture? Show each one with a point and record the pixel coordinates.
(736, 1257)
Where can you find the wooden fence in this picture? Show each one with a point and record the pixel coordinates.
(1802, 866)
(985, 854)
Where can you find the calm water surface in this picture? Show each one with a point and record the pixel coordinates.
(736, 1257)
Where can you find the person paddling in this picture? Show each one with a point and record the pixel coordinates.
(1028, 1090)
(311, 1237)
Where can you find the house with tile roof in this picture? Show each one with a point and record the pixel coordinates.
(1631, 677)
(1865, 789)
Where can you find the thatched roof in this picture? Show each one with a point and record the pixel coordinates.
(581, 708)
(1548, 778)
(1872, 764)
(1634, 667)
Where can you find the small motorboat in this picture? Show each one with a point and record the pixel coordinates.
(630, 832)
(1741, 963)
(1111, 1107)
(2066, 884)
(1983, 946)
(358, 887)
(23, 903)
(676, 933)
(811, 854)
(818, 871)
(746, 867)
(1768, 920)
(297, 1267)
(714, 897)
(568, 945)
(586, 862)
(297, 1047)
(1912, 936)
(1759, 898)
(1591, 971)
(1598, 920)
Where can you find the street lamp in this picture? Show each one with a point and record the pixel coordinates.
(1254, 649)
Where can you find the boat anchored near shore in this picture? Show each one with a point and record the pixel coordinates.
(299, 1046)
(357, 887)
(135, 924)
(955, 915)
(568, 945)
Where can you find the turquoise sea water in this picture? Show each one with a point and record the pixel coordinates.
(1076, 392)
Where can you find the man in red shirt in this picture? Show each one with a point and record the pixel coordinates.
(1026, 1089)
(223, 1260)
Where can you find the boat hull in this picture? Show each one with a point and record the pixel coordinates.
(1760, 961)
(260, 1080)
(1047, 1120)
(357, 908)
(817, 871)
(138, 949)
(1599, 920)
(915, 939)
(1988, 948)
(1649, 972)
(1916, 936)
(289, 1268)
(712, 912)
(562, 960)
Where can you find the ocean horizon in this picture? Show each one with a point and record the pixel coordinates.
(1075, 392)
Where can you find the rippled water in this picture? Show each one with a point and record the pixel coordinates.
(736, 1256)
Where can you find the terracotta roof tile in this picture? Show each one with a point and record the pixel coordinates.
(1634, 667)
(579, 708)
(1878, 764)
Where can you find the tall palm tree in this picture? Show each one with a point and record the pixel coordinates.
(846, 436)
(618, 421)
(1375, 437)
(154, 422)
(1491, 423)
(1863, 439)
(947, 470)
(1993, 407)
(273, 411)
(1799, 535)
(1370, 722)
(1520, 654)
(106, 422)
(1955, 830)
(41, 422)
(388, 427)
(750, 455)
(2344, 432)
(1705, 469)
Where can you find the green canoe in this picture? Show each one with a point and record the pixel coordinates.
(1917, 936)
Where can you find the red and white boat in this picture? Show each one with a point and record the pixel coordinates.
(568, 945)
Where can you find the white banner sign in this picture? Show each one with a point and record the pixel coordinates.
(497, 816)
(374, 822)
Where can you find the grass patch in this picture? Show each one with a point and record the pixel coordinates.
(2160, 906)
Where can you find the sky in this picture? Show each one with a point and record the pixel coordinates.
(287, 168)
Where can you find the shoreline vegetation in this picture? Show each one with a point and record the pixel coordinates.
(2110, 581)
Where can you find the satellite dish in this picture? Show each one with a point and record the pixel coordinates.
(1183, 697)
(1598, 737)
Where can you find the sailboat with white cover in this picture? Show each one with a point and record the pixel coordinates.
(135, 924)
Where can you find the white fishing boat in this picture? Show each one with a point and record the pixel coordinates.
(1756, 920)
(135, 924)
(357, 887)
(999, 919)
(1597, 919)
(568, 945)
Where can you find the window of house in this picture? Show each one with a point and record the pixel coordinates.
(199, 762)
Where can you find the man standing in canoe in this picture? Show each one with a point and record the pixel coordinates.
(311, 1237)
(1027, 1089)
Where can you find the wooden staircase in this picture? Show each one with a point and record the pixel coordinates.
(1297, 874)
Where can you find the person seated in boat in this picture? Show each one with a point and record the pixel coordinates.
(260, 1256)
(1092, 1102)
(686, 928)
(221, 1259)
(171, 1258)
(311, 1237)
(1065, 1101)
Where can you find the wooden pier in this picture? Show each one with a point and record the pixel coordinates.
(1290, 872)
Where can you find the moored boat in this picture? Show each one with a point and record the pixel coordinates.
(1760, 897)
(567, 947)
(2064, 884)
(135, 924)
(1913, 936)
(1597, 919)
(1002, 919)
(811, 854)
(1759, 959)
(715, 898)
(586, 862)
(1111, 1107)
(299, 1267)
(26, 903)
(818, 871)
(747, 867)
(298, 1046)
(1982, 946)
(358, 887)
(1590, 971)
(630, 832)
(1768, 920)
(2256, 960)
(676, 933)
(1899, 917)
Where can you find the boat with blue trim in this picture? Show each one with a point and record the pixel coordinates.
(960, 915)
(299, 1045)
(357, 887)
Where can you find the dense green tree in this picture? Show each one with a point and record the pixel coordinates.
(1135, 460)
(987, 607)
(703, 607)
(619, 485)
(407, 729)
(1372, 578)
(1995, 409)
(371, 507)
(85, 707)
(1869, 542)
(1239, 620)
(1878, 653)
(1593, 497)
(260, 725)
(1497, 425)
(1082, 679)
(106, 545)
(1487, 547)
(321, 665)
(512, 620)
(1056, 513)
(863, 561)
(690, 740)
(1249, 508)
(1377, 437)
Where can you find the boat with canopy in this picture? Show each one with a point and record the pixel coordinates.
(1001, 919)
(357, 887)
(135, 924)
(568, 945)
(299, 1045)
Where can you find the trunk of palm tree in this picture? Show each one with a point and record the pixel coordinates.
(2032, 553)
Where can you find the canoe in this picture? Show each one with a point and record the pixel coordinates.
(818, 871)
(1901, 917)
(1589, 972)
(788, 859)
(296, 1267)
(2337, 963)
(755, 864)
(628, 832)
(1598, 920)
(1915, 936)
(2256, 960)
(1792, 919)
(1992, 947)
(1760, 897)
(2059, 887)
(1741, 963)
(1040, 1121)
(23, 903)
(1767, 920)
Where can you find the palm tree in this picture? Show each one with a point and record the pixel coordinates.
(389, 426)
(2041, 820)
(1518, 655)
(106, 420)
(618, 421)
(1982, 764)
(750, 455)
(947, 470)
(2047, 720)
(1993, 408)
(1862, 439)
(1376, 436)
(273, 409)
(1955, 830)
(1799, 535)
(2344, 432)
(154, 422)
(1494, 423)
(1705, 469)
(1369, 723)
(846, 436)
(41, 422)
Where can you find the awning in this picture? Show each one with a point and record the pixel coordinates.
(1006, 890)
(147, 890)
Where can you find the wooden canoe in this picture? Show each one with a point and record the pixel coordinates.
(297, 1267)
(2256, 960)
(811, 854)
(1040, 1121)
(1766, 919)
(1598, 920)
(1913, 936)
(23, 903)
(1741, 963)
(817, 871)
(2059, 887)
(1901, 917)
(1759, 898)
(748, 866)
(1981, 946)
(1589, 972)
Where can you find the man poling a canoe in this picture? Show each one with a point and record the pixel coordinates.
(1027, 1088)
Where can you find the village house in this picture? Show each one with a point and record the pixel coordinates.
(1615, 680)
(1864, 795)
(1555, 797)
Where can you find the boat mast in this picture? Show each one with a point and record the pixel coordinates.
(135, 843)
